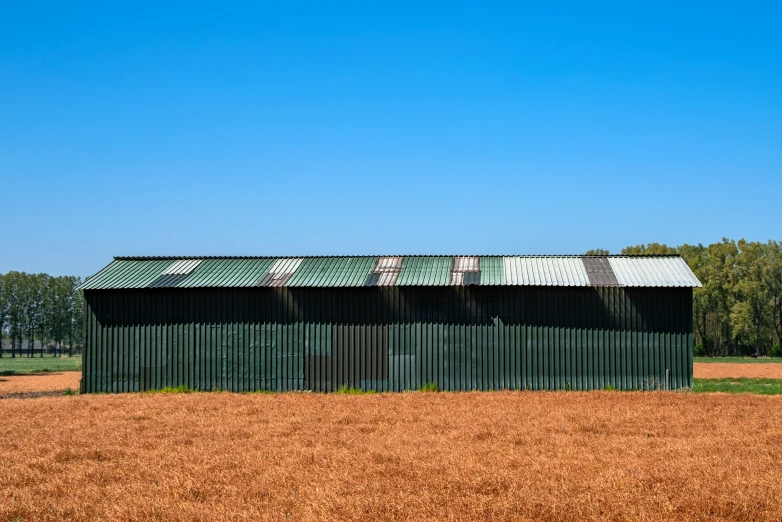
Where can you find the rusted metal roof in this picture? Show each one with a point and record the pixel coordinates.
(332, 271)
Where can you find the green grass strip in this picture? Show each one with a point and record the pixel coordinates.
(27, 365)
(739, 360)
(756, 386)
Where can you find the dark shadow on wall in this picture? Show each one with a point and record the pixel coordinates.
(601, 308)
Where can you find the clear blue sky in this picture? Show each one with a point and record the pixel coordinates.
(287, 128)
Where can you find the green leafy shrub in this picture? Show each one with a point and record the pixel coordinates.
(699, 350)
(430, 387)
(609, 387)
(775, 351)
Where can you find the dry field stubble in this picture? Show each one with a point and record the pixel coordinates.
(435, 456)
(737, 370)
(38, 383)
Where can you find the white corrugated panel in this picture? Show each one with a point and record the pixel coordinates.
(542, 266)
(388, 263)
(182, 267)
(687, 274)
(388, 278)
(466, 264)
(575, 267)
(545, 271)
(577, 272)
(539, 269)
(285, 265)
(511, 275)
(653, 271)
(461, 265)
(388, 268)
(679, 267)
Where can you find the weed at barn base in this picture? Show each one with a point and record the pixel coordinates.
(349, 390)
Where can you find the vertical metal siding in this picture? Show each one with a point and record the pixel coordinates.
(387, 338)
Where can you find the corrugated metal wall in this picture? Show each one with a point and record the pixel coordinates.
(387, 338)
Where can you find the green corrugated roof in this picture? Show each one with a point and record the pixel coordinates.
(425, 271)
(193, 272)
(492, 270)
(128, 274)
(333, 271)
(226, 272)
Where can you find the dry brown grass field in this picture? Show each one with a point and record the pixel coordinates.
(38, 383)
(737, 370)
(412, 456)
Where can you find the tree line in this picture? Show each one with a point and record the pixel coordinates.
(40, 307)
(739, 309)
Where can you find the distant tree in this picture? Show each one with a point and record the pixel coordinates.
(597, 252)
(3, 310)
(696, 258)
(751, 312)
(718, 282)
(76, 312)
(38, 306)
(33, 310)
(692, 254)
(46, 315)
(58, 312)
(774, 285)
(652, 249)
(15, 288)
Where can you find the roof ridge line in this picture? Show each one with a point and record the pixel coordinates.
(163, 258)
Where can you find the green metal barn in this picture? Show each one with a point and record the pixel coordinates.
(389, 323)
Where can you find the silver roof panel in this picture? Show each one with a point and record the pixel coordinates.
(653, 272)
